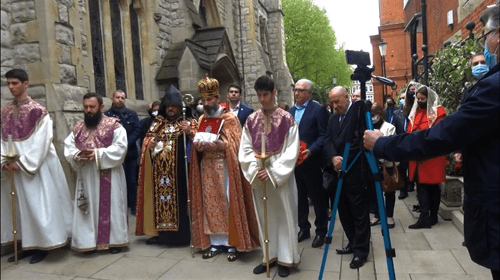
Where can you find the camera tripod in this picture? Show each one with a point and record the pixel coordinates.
(362, 74)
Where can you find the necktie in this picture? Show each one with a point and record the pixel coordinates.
(341, 118)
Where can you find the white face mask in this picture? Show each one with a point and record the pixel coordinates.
(199, 108)
(375, 119)
(154, 113)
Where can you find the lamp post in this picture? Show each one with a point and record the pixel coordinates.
(383, 51)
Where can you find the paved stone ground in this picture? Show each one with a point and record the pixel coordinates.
(428, 254)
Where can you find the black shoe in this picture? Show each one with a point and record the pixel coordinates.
(38, 256)
(261, 268)
(411, 188)
(132, 211)
(153, 240)
(21, 255)
(344, 251)
(463, 243)
(283, 271)
(416, 208)
(303, 235)
(419, 224)
(115, 250)
(403, 195)
(433, 220)
(357, 262)
(318, 241)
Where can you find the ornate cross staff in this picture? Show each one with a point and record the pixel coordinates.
(187, 173)
(263, 157)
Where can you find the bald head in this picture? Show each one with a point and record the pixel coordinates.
(339, 98)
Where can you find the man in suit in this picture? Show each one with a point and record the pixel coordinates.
(312, 119)
(241, 111)
(474, 128)
(130, 121)
(354, 203)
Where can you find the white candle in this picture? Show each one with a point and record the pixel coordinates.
(263, 144)
(10, 149)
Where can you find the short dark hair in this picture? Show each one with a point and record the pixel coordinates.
(156, 103)
(93, 94)
(491, 17)
(17, 74)
(264, 83)
(119, 90)
(234, 86)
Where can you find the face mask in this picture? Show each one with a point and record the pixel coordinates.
(390, 104)
(422, 105)
(402, 102)
(154, 113)
(199, 108)
(479, 71)
(490, 58)
(375, 119)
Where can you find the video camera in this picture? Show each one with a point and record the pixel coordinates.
(362, 73)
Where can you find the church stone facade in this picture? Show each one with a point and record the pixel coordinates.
(71, 47)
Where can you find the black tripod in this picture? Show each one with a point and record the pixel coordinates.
(362, 74)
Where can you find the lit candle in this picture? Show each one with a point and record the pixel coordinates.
(263, 154)
(10, 148)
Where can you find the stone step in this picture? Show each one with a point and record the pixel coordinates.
(457, 218)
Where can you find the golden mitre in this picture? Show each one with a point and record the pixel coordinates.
(208, 86)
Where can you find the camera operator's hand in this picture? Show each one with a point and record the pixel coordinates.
(370, 137)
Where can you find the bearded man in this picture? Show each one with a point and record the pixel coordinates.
(96, 149)
(223, 215)
(162, 210)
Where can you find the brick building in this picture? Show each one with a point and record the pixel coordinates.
(445, 20)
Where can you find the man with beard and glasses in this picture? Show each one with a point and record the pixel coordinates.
(223, 215)
(130, 121)
(43, 203)
(162, 210)
(96, 149)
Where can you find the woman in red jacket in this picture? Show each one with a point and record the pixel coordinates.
(425, 113)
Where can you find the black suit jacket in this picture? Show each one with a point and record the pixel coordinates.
(312, 130)
(130, 121)
(243, 112)
(336, 139)
(474, 128)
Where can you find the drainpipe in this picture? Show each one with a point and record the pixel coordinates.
(241, 51)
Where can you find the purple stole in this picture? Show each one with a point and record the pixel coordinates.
(100, 137)
(20, 119)
(276, 126)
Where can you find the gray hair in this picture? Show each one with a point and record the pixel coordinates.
(491, 17)
(310, 85)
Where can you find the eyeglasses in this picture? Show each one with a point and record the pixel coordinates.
(482, 39)
(299, 90)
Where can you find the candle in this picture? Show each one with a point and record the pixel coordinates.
(10, 149)
(263, 154)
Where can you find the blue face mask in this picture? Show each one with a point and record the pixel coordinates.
(401, 103)
(490, 58)
(479, 71)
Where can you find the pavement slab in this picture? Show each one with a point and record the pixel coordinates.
(136, 267)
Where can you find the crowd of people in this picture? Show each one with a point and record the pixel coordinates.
(225, 178)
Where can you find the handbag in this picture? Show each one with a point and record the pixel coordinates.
(391, 182)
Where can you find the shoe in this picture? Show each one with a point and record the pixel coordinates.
(115, 250)
(132, 211)
(21, 255)
(153, 240)
(318, 241)
(357, 262)
(344, 251)
(375, 221)
(402, 195)
(211, 252)
(463, 243)
(411, 187)
(390, 223)
(283, 271)
(416, 208)
(303, 235)
(261, 268)
(38, 256)
(232, 254)
(433, 220)
(419, 224)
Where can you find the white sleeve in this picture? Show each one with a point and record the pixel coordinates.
(113, 155)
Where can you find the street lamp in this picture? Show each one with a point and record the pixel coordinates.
(334, 80)
(383, 51)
